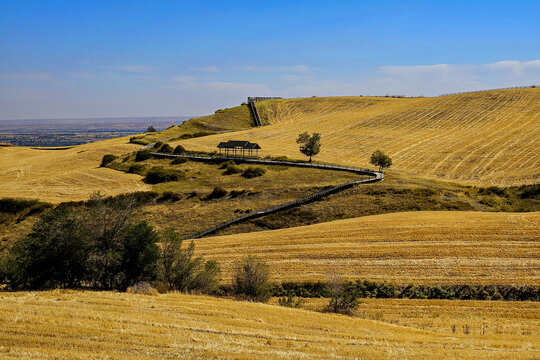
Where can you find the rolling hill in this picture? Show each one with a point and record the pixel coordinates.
(65, 174)
(97, 325)
(437, 247)
(481, 138)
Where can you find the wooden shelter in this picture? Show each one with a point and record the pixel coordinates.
(240, 149)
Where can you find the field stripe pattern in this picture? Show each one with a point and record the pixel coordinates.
(433, 247)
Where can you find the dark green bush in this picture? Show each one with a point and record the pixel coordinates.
(143, 155)
(529, 191)
(180, 270)
(159, 174)
(370, 289)
(52, 255)
(179, 160)
(12, 209)
(194, 135)
(217, 193)
(179, 149)
(226, 164)
(492, 190)
(150, 129)
(251, 279)
(136, 169)
(252, 172)
(232, 169)
(139, 254)
(137, 140)
(15, 206)
(107, 159)
(157, 145)
(166, 148)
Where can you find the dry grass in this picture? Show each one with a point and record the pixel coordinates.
(65, 175)
(226, 120)
(449, 317)
(411, 247)
(97, 325)
(479, 138)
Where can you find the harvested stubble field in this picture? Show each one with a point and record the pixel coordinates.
(67, 174)
(482, 138)
(96, 325)
(401, 248)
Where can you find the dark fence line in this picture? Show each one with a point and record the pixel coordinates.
(375, 176)
(475, 91)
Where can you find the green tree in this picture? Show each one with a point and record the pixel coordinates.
(380, 159)
(151, 129)
(140, 254)
(309, 145)
(97, 246)
(52, 255)
(251, 279)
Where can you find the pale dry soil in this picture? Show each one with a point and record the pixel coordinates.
(97, 325)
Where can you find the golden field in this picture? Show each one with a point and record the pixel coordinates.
(65, 175)
(482, 138)
(97, 325)
(435, 247)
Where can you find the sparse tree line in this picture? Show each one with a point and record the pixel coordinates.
(99, 245)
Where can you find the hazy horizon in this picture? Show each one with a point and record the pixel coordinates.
(118, 59)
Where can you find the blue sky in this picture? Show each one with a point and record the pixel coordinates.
(163, 58)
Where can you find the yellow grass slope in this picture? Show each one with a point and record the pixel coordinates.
(65, 175)
(97, 325)
(488, 137)
(412, 247)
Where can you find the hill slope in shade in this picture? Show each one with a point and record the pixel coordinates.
(65, 175)
(97, 325)
(485, 138)
(435, 247)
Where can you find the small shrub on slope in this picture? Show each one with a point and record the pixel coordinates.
(179, 149)
(182, 271)
(158, 174)
(232, 169)
(251, 279)
(166, 148)
(142, 155)
(253, 171)
(107, 159)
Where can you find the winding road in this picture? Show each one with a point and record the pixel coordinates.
(374, 177)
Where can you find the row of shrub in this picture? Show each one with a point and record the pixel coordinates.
(370, 289)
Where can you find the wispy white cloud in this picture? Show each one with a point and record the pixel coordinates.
(212, 69)
(425, 80)
(430, 79)
(81, 74)
(131, 68)
(303, 69)
(190, 83)
(184, 79)
(513, 66)
(27, 76)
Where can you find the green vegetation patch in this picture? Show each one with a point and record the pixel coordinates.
(159, 174)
